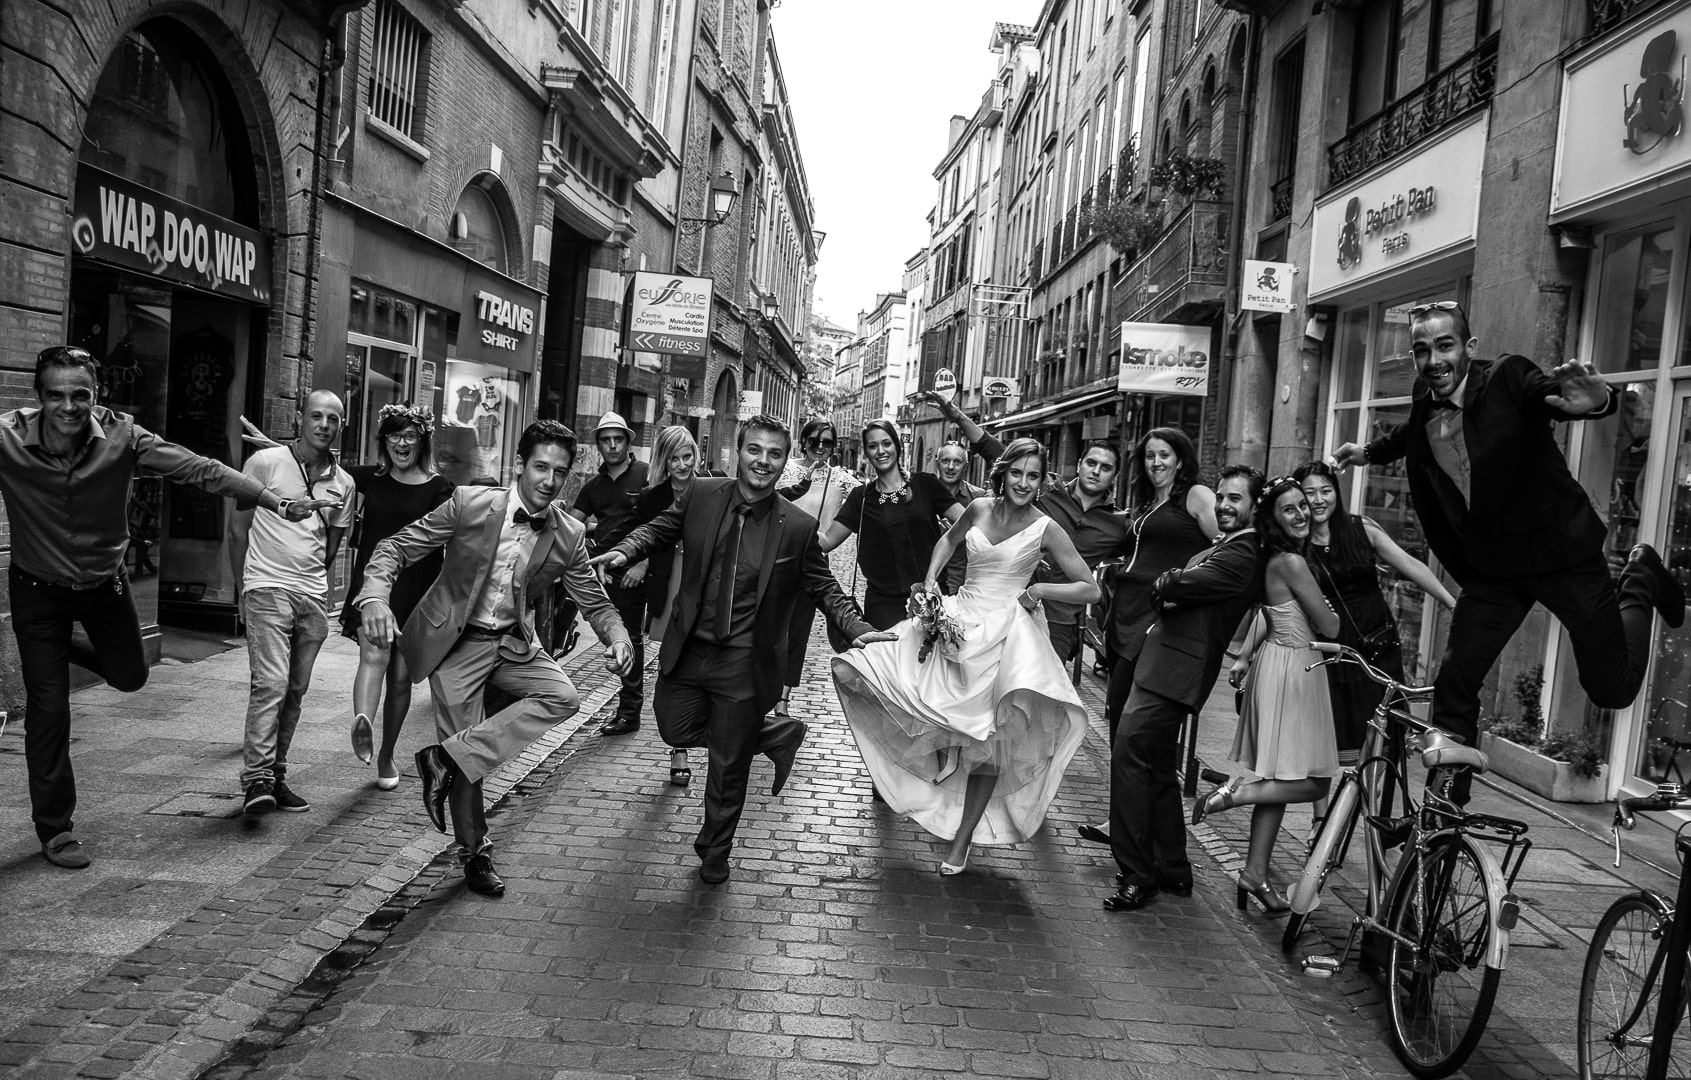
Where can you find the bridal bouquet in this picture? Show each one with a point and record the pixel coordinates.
(938, 627)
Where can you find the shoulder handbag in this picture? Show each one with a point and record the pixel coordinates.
(837, 639)
(1378, 642)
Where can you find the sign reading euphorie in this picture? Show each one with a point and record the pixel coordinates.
(120, 222)
(668, 313)
(1164, 358)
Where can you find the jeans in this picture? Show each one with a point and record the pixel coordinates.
(43, 616)
(631, 607)
(285, 630)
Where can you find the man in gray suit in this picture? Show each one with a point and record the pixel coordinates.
(474, 628)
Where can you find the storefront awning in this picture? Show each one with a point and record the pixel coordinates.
(1053, 411)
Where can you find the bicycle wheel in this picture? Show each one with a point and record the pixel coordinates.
(1324, 858)
(1614, 1026)
(1440, 988)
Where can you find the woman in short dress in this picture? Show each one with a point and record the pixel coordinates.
(972, 743)
(1285, 733)
(675, 458)
(814, 484)
(400, 489)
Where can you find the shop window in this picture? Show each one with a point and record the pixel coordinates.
(160, 86)
(384, 338)
(399, 63)
(1373, 380)
(1632, 299)
(1667, 721)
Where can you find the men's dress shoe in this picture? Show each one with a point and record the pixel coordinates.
(479, 876)
(620, 725)
(1131, 898)
(783, 756)
(436, 770)
(1093, 834)
(65, 850)
(1668, 596)
(714, 871)
(1183, 889)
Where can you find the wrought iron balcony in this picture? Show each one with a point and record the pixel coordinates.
(1608, 14)
(1448, 96)
(1280, 198)
(1182, 275)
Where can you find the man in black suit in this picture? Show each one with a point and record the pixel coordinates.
(1509, 521)
(1199, 608)
(747, 557)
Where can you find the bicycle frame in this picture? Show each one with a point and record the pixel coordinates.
(1672, 1001)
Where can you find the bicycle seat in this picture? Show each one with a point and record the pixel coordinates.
(1437, 749)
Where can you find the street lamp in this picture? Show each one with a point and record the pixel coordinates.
(723, 195)
(771, 306)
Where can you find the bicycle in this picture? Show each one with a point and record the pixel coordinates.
(1633, 992)
(1443, 914)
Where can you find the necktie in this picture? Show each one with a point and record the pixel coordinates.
(533, 521)
(728, 566)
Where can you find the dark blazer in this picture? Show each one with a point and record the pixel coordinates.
(468, 526)
(1526, 513)
(1201, 606)
(792, 563)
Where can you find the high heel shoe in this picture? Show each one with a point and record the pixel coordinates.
(387, 777)
(949, 758)
(680, 775)
(1272, 900)
(363, 738)
(1219, 799)
(948, 870)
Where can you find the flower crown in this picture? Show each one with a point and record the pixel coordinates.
(416, 415)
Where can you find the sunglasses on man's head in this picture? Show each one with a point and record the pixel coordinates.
(1438, 305)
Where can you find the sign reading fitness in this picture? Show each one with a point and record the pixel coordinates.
(668, 313)
(1424, 207)
(1164, 358)
(124, 224)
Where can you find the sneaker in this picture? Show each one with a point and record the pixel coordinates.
(290, 800)
(261, 797)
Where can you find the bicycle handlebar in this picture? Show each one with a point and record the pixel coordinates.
(1665, 797)
(1337, 653)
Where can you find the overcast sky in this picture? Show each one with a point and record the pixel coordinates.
(874, 84)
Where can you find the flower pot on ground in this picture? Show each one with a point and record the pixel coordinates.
(1558, 781)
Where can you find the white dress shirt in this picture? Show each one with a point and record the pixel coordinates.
(496, 607)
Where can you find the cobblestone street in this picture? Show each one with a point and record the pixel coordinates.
(335, 943)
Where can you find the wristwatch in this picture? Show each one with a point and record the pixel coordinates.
(282, 506)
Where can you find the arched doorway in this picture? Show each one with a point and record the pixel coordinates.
(171, 287)
(725, 411)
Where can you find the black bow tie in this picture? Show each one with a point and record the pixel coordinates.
(1445, 403)
(533, 521)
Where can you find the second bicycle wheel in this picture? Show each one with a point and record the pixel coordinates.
(1439, 986)
(1614, 1028)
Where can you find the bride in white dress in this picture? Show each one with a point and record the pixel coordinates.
(971, 743)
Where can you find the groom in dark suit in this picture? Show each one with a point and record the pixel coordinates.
(474, 628)
(1199, 608)
(1509, 521)
(747, 557)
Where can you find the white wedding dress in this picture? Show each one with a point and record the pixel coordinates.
(1002, 701)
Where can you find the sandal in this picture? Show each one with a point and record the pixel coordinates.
(679, 774)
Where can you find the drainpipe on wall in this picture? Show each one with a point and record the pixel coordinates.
(1233, 316)
(328, 107)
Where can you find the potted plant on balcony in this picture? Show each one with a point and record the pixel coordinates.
(1130, 225)
(1563, 767)
(1189, 175)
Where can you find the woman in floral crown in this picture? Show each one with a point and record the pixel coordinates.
(968, 721)
(393, 494)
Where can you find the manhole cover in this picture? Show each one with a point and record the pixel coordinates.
(200, 804)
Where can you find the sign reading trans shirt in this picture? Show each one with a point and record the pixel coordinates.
(668, 313)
